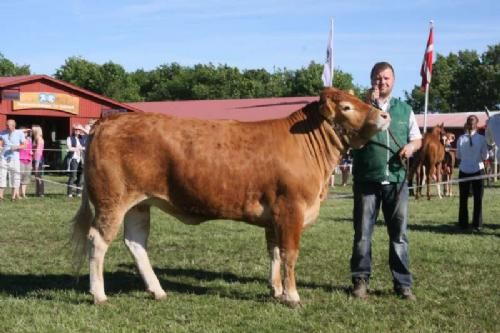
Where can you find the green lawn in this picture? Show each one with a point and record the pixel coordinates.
(216, 275)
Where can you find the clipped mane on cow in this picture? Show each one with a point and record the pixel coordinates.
(272, 174)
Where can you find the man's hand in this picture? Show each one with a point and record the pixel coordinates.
(407, 151)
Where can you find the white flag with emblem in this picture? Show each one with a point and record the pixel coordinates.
(327, 76)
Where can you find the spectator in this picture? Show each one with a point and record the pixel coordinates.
(38, 161)
(13, 141)
(345, 167)
(471, 151)
(25, 158)
(76, 146)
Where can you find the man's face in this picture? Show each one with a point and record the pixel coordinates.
(11, 125)
(384, 82)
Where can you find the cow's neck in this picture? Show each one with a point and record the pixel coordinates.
(321, 144)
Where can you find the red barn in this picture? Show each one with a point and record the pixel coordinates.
(53, 104)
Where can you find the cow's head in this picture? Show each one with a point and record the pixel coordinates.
(358, 121)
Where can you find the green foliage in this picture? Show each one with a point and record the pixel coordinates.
(215, 275)
(176, 82)
(8, 68)
(109, 79)
(462, 82)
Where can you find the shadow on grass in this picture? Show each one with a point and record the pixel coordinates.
(454, 229)
(36, 286)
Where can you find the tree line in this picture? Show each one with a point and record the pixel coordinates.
(460, 82)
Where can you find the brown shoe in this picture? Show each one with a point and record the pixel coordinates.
(405, 293)
(360, 288)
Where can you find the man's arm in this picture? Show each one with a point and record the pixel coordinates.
(415, 138)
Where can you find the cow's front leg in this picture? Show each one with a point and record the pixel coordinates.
(275, 269)
(289, 229)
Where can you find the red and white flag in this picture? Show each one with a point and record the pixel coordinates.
(426, 70)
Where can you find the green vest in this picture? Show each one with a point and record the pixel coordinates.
(375, 162)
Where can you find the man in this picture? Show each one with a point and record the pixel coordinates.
(379, 179)
(10, 167)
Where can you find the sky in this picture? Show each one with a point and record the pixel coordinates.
(253, 34)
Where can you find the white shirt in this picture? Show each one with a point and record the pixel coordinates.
(414, 133)
(471, 157)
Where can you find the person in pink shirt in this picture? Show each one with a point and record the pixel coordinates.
(25, 157)
(38, 162)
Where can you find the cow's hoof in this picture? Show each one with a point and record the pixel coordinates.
(100, 300)
(158, 296)
(291, 303)
(276, 293)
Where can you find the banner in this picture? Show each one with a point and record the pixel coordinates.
(43, 100)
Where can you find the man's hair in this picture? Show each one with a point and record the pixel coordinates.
(380, 66)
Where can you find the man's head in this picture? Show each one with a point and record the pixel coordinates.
(382, 78)
(11, 125)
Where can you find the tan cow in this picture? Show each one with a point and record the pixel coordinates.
(271, 173)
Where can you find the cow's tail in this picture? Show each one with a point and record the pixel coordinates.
(81, 223)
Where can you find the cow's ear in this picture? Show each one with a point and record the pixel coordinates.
(326, 104)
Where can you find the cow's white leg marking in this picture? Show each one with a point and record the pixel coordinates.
(275, 269)
(290, 294)
(97, 249)
(136, 233)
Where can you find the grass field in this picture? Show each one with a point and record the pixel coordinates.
(216, 275)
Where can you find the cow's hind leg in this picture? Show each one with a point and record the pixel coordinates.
(136, 233)
(275, 271)
(101, 234)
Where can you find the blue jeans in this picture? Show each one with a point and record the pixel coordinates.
(368, 198)
(75, 177)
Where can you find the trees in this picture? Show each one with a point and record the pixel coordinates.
(8, 68)
(462, 82)
(109, 79)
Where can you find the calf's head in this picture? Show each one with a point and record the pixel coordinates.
(356, 121)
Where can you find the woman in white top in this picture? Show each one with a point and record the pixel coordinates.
(471, 151)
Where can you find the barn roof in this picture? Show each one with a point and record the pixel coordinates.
(252, 109)
(13, 81)
(255, 109)
(451, 120)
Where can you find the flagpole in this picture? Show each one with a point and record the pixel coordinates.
(426, 102)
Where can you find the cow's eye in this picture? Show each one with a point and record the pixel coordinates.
(346, 108)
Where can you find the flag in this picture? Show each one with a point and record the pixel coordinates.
(426, 70)
(327, 76)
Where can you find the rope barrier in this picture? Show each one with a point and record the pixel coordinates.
(450, 182)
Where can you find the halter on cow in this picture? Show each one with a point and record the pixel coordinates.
(272, 174)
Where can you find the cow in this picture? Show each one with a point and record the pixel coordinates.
(272, 174)
(430, 156)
